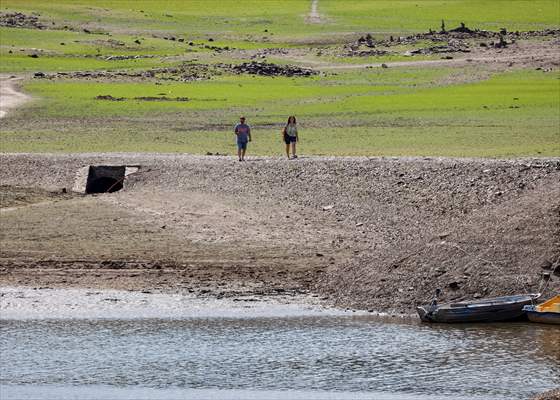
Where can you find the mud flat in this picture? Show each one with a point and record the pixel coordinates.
(368, 233)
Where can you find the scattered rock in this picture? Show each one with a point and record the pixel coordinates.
(109, 97)
(267, 69)
(20, 20)
(162, 98)
(553, 394)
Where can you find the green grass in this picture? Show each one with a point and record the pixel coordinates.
(420, 15)
(284, 18)
(393, 112)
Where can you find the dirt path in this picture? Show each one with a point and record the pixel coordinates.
(322, 65)
(10, 97)
(314, 17)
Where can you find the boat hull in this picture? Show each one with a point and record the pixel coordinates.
(486, 310)
(544, 317)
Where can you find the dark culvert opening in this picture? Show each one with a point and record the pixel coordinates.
(105, 179)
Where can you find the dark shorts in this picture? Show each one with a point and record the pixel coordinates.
(289, 139)
(242, 145)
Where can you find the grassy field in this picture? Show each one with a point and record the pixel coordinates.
(409, 110)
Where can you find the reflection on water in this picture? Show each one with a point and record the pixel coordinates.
(346, 354)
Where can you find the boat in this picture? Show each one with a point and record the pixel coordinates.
(545, 313)
(484, 310)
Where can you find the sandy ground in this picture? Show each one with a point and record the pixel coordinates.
(370, 233)
(10, 97)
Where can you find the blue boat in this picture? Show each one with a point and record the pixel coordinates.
(484, 310)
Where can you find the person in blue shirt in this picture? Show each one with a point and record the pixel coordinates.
(243, 133)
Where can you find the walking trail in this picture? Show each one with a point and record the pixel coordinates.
(314, 17)
(9, 96)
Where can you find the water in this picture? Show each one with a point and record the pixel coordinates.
(311, 356)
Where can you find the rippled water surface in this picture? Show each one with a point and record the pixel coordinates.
(332, 354)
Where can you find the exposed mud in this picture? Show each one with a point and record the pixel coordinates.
(368, 233)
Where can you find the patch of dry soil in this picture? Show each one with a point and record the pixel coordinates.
(369, 233)
(10, 97)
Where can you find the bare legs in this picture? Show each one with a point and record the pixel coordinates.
(241, 153)
(293, 145)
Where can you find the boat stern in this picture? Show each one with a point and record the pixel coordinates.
(423, 313)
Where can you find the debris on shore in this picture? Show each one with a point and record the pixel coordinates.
(20, 20)
(457, 40)
(141, 98)
(184, 72)
(269, 69)
(553, 394)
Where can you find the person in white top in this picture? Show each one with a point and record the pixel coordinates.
(290, 136)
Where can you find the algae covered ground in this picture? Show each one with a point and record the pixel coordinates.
(367, 77)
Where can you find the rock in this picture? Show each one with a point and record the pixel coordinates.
(384, 65)
(329, 207)
(268, 69)
(137, 41)
(39, 74)
(20, 20)
(553, 394)
(34, 56)
(453, 285)
(109, 97)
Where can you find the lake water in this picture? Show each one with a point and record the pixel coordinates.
(300, 357)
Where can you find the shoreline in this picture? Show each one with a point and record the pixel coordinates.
(26, 303)
(359, 233)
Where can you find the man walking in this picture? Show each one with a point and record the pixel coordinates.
(243, 133)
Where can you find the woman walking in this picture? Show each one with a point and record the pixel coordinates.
(290, 136)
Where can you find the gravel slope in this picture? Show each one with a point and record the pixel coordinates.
(369, 233)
